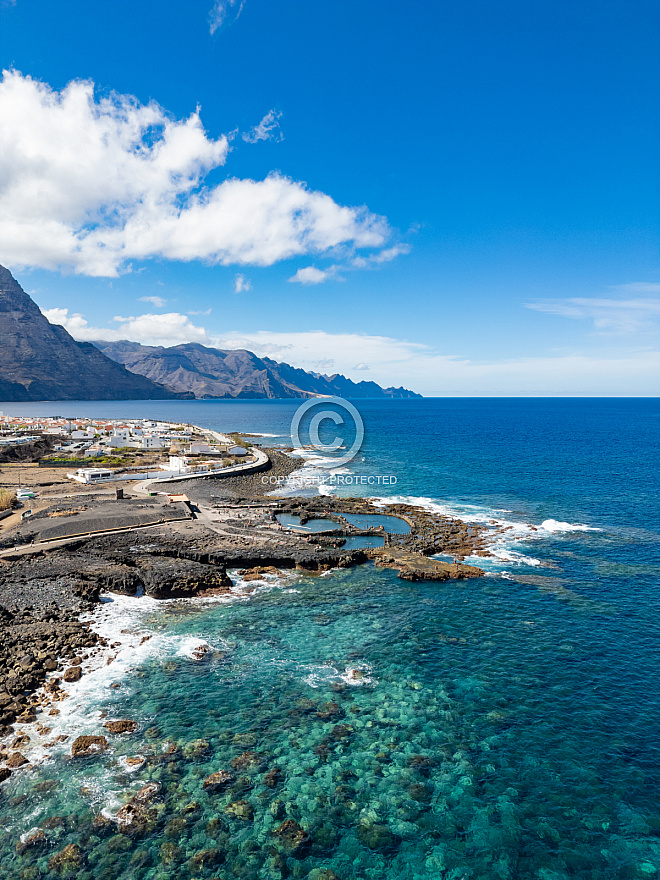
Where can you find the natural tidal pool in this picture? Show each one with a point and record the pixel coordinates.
(362, 542)
(312, 525)
(414, 731)
(392, 524)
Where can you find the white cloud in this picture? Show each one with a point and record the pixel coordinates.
(224, 12)
(157, 301)
(619, 316)
(312, 275)
(430, 372)
(241, 283)
(90, 185)
(268, 128)
(164, 329)
(384, 256)
(398, 362)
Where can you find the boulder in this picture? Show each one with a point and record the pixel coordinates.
(36, 839)
(217, 781)
(329, 711)
(138, 816)
(207, 858)
(67, 861)
(377, 837)
(16, 760)
(273, 778)
(88, 745)
(126, 725)
(291, 837)
(73, 673)
(246, 761)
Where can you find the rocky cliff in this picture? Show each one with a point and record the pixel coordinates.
(41, 361)
(213, 373)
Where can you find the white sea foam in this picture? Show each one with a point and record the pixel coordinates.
(130, 623)
(506, 534)
(552, 525)
(358, 675)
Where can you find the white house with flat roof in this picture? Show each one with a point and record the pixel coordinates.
(92, 475)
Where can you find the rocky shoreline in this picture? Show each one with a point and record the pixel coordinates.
(233, 526)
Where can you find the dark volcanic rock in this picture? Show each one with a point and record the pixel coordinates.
(167, 578)
(126, 725)
(217, 781)
(291, 837)
(67, 861)
(139, 816)
(88, 745)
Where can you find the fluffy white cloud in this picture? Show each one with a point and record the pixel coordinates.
(608, 315)
(164, 329)
(312, 275)
(223, 12)
(90, 185)
(268, 128)
(157, 301)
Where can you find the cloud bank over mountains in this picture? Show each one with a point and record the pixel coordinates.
(421, 367)
(88, 184)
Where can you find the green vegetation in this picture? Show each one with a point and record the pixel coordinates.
(240, 441)
(95, 461)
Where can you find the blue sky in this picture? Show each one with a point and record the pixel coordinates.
(458, 197)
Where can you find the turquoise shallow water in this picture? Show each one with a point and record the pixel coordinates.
(501, 728)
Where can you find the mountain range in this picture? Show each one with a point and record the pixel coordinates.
(213, 373)
(42, 361)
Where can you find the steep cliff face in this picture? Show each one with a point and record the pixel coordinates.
(41, 361)
(212, 372)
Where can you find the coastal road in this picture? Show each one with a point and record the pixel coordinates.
(261, 460)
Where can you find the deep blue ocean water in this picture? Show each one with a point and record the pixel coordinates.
(507, 727)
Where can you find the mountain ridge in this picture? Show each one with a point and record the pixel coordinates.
(42, 361)
(213, 373)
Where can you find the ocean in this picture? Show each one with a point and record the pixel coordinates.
(505, 727)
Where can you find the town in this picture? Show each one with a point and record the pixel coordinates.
(90, 446)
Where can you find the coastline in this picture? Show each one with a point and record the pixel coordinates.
(48, 591)
(232, 524)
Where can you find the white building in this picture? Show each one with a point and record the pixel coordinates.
(202, 449)
(177, 463)
(237, 450)
(151, 441)
(92, 475)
